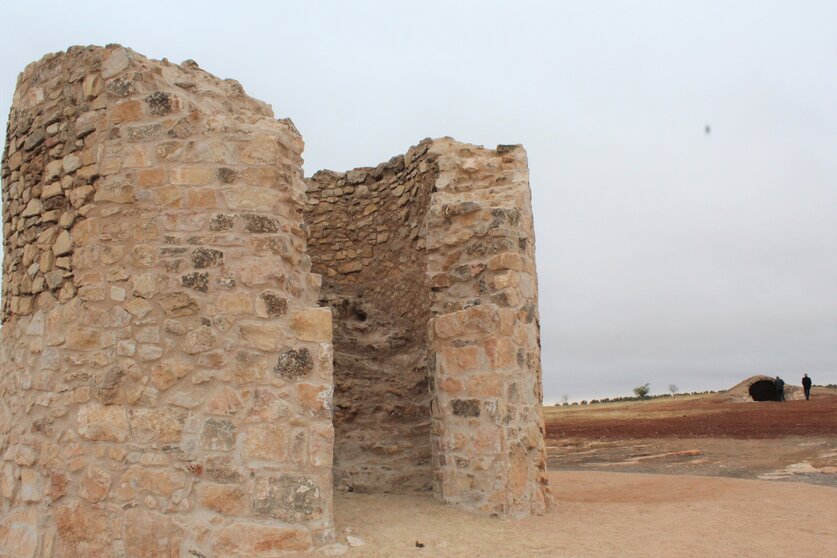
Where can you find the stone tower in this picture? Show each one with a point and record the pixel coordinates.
(169, 384)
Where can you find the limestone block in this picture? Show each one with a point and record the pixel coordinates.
(149, 534)
(246, 539)
(313, 324)
(96, 422)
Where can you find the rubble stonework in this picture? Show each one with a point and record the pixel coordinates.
(428, 264)
(147, 408)
(166, 357)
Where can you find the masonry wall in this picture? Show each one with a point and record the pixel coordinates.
(488, 430)
(165, 377)
(367, 242)
(428, 264)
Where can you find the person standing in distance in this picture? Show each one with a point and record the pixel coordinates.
(780, 388)
(806, 385)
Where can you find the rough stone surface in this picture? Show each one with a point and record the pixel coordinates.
(128, 427)
(176, 298)
(428, 266)
(294, 363)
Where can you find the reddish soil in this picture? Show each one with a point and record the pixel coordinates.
(715, 435)
(709, 417)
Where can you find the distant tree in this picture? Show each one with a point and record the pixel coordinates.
(673, 389)
(564, 399)
(642, 391)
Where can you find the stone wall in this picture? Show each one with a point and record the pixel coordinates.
(428, 264)
(488, 430)
(166, 372)
(367, 241)
(166, 365)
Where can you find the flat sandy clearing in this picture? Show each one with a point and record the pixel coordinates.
(702, 501)
(608, 515)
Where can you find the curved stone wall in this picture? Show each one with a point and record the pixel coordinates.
(166, 365)
(367, 242)
(166, 372)
(428, 264)
(488, 431)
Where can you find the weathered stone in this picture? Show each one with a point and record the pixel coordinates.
(158, 425)
(109, 424)
(178, 304)
(32, 208)
(294, 363)
(207, 257)
(82, 338)
(161, 103)
(71, 163)
(218, 434)
(196, 280)
(138, 307)
(465, 407)
(255, 223)
(54, 278)
(19, 533)
(244, 540)
(289, 498)
(313, 324)
(222, 498)
(117, 61)
(147, 285)
(150, 406)
(82, 530)
(114, 192)
(222, 468)
(265, 336)
(108, 385)
(141, 478)
(315, 399)
(199, 340)
(226, 402)
(221, 223)
(265, 442)
(271, 305)
(95, 484)
(235, 303)
(52, 190)
(169, 371)
(34, 139)
(149, 534)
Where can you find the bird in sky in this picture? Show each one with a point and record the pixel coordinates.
(707, 129)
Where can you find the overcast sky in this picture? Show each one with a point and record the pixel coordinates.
(665, 254)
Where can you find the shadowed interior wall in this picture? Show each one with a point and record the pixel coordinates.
(366, 240)
(428, 265)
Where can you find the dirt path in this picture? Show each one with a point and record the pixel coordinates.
(607, 515)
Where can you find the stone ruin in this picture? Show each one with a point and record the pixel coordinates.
(762, 388)
(199, 344)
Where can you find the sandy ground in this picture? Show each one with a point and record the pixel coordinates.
(787, 458)
(608, 515)
(663, 478)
